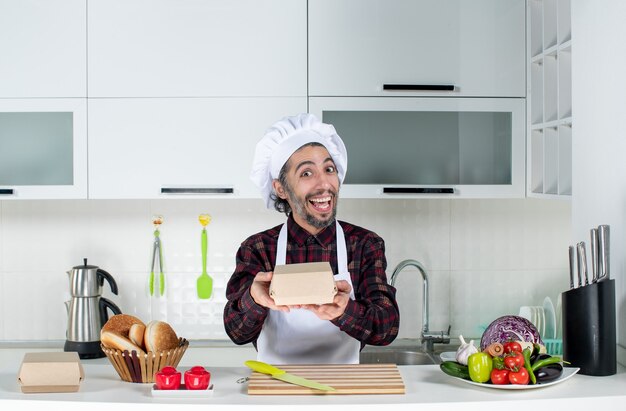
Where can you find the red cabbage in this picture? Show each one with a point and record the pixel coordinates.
(510, 327)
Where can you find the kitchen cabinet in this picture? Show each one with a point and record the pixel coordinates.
(429, 147)
(43, 148)
(43, 48)
(173, 148)
(478, 48)
(550, 99)
(197, 48)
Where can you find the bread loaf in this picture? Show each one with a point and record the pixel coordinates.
(159, 336)
(115, 340)
(121, 324)
(136, 333)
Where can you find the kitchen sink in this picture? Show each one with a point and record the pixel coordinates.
(404, 352)
(398, 357)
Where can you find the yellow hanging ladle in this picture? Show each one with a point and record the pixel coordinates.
(204, 285)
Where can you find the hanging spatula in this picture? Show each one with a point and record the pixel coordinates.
(204, 284)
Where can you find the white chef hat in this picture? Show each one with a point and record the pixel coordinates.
(286, 136)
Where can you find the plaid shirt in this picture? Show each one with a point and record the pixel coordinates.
(372, 317)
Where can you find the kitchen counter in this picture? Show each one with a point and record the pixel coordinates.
(426, 386)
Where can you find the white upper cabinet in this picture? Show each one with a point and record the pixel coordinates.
(197, 48)
(43, 48)
(177, 148)
(429, 147)
(477, 48)
(43, 148)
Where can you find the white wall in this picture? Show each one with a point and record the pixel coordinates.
(599, 133)
(485, 257)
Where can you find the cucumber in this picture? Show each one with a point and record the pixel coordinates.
(455, 369)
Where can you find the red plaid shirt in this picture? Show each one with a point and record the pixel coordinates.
(372, 317)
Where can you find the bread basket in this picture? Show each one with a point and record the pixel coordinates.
(134, 367)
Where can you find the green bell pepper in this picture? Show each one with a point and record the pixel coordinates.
(479, 365)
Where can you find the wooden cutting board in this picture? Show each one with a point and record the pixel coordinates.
(345, 379)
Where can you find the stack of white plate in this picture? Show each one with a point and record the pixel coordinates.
(542, 317)
(550, 316)
(535, 315)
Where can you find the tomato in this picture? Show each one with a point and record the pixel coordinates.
(479, 365)
(499, 377)
(514, 360)
(512, 346)
(520, 377)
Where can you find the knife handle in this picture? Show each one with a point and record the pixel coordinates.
(263, 368)
(603, 252)
(584, 265)
(594, 254)
(580, 248)
(572, 264)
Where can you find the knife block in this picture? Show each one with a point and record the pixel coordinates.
(589, 334)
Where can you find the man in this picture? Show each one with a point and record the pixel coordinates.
(299, 165)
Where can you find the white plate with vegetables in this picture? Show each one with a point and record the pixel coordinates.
(568, 372)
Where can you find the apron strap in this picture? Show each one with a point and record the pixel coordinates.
(342, 252)
(281, 249)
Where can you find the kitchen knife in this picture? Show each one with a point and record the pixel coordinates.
(582, 263)
(603, 252)
(594, 255)
(282, 375)
(572, 264)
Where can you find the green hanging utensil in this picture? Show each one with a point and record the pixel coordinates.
(157, 254)
(204, 284)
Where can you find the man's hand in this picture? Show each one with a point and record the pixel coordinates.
(337, 307)
(260, 292)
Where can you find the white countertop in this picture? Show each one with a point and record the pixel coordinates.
(426, 387)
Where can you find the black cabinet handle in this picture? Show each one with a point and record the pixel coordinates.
(419, 87)
(417, 190)
(197, 190)
(6, 191)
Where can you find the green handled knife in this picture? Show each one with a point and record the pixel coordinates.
(285, 376)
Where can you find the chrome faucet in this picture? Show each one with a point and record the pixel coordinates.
(428, 337)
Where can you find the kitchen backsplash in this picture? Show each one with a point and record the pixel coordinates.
(484, 258)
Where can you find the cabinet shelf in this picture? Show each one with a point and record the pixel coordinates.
(554, 123)
(565, 45)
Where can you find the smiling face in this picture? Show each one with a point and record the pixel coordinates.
(311, 188)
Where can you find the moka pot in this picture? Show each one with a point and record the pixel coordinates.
(87, 311)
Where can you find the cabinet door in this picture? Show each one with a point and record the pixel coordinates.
(429, 147)
(358, 46)
(43, 48)
(157, 148)
(197, 48)
(43, 148)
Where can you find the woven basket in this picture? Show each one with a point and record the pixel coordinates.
(133, 367)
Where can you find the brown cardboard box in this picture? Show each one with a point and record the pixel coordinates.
(306, 283)
(50, 372)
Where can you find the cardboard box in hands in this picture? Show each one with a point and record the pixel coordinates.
(306, 283)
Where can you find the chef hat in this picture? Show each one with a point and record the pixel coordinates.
(283, 139)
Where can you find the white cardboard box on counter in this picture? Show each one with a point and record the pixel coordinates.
(305, 283)
(50, 372)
